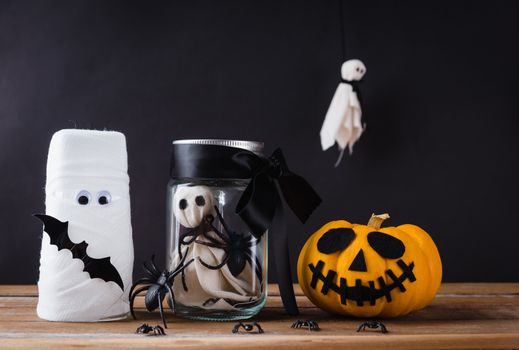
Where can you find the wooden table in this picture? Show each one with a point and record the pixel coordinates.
(463, 316)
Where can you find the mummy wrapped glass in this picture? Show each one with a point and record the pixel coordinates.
(87, 248)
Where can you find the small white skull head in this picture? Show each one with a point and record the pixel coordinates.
(191, 204)
(353, 70)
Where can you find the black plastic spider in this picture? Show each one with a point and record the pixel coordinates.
(149, 330)
(311, 325)
(157, 285)
(248, 327)
(237, 248)
(372, 325)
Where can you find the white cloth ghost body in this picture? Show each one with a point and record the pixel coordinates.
(342, 123)
(207, 288)
(87, 166)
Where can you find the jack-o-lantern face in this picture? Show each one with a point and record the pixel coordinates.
(369, 271)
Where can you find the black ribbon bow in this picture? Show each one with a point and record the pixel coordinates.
(260, 199)
(260, 204)
(355, 85)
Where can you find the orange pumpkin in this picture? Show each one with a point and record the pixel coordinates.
(368, 271)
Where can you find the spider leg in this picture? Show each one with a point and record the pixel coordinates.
(142, 280)
(178, 270)
(211, 244)
(220, 234)
(161, 309)
(250, 244)
(158, 330)
(259, 270)
(153, 266)
(384, 329)
(224, 240)
(132, 298)
(183, 278)
(171, 298)
(179, 266)
(150, 270)
(236, 328)
(260, 330)
(215, 267)
(220, 217)
(255, 264)
(361, 327)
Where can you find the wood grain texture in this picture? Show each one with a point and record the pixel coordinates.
(463, 316)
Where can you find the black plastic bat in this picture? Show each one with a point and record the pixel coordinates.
(96, 268)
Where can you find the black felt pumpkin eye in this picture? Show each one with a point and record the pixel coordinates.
(200, 201)
(182, 204)
(386, 245)
(334, 240)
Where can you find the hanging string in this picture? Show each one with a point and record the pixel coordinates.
(342, 27)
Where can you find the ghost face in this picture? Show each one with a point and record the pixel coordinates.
(353, 70)
(191, 204)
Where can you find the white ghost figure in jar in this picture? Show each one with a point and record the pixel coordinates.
(342, 123)
(209, 282)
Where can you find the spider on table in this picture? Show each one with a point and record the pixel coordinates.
(149, 330)
(247, 327)
(373, 325)
(311, 325)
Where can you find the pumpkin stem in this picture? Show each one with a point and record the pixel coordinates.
(376, 220)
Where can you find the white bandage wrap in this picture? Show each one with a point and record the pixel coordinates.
(95, 164)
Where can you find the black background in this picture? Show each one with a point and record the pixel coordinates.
(441, 107)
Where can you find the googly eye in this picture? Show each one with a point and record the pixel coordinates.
(104, 197)
(83, 197)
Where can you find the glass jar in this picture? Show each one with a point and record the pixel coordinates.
(225, 265)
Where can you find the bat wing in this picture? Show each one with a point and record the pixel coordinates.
(335, 116)
(103, 269)
(96, 268)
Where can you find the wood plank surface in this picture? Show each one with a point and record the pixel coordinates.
(463, 316)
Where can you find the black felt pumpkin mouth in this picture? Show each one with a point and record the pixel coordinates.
(359, 292)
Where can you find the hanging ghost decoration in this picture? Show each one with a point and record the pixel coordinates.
(342, 123)
(86, 257)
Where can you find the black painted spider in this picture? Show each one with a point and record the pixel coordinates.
(237, 248)
(149, 330)
(157, 285)
(372, 325)
(248, 327)
(311, 325)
